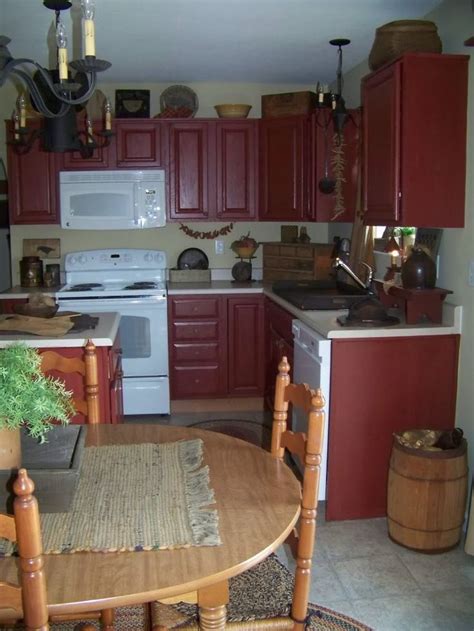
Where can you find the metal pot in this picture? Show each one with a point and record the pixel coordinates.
(419, 270)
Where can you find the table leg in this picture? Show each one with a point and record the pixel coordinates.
(212, 603)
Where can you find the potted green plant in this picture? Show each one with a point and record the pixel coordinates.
(407, 236)
(28, 398)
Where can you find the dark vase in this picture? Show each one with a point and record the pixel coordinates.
(419, 270)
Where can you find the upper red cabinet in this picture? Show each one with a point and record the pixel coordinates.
(284, 168)
(414, 114)
(139, 143)
(32, 176)
(236, 169)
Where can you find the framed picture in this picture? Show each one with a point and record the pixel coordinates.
(132, 103)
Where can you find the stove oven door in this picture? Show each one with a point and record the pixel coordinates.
(144, 340)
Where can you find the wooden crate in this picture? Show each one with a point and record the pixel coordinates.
(288, 104)
(190, 275)
(285, 261)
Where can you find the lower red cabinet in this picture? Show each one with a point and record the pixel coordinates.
(380, 386)
(216, 346)
(278, 344)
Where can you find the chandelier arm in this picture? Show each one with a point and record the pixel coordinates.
(72, 101)
(37, 97)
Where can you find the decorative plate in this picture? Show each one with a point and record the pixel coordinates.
(177, 96)
(193, 258)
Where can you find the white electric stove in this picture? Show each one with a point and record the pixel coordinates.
(131, 282)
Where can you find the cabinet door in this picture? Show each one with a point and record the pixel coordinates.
(278, 343)
(192, 193)
(246, 345)
(381, 107)
(103, 157)
(139, 143)
(33, 184)
(380, 386)
(283, 169)
(236, 169)
(328, 148)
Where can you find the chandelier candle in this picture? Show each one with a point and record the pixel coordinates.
(89, 28)
(61, 41)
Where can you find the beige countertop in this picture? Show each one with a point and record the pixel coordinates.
(104, 334)
(215, 287)
(23, 292)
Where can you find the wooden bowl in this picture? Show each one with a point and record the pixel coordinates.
(232, 110)
(36, 311)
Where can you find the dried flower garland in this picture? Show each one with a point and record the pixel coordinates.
(210, 234)
(338, 163)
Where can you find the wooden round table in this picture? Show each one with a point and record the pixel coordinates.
(258, 501)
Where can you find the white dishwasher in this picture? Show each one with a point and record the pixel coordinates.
(312, 365)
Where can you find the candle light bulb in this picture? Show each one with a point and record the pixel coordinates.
(16, 124)
(108, 115)
(394, 254)
(88, 9)
(61, 41)
(89, 131)
(21, 107)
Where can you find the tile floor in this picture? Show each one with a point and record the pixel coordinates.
(358, 571)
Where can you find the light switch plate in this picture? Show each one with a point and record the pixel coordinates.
(219, 246)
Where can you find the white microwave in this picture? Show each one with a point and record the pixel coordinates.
(112, 200)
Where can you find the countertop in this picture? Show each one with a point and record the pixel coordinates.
(104, 334)
(324, 322)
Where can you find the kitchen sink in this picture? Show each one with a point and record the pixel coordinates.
(313, 295)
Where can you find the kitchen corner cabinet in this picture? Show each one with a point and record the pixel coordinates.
(212, 169)
(380, 386)
(33, 187)
(278, 344)
(414, 112)
(109, 363)
(216, 346)
(283, 157)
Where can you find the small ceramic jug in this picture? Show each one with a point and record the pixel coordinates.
(419, 270)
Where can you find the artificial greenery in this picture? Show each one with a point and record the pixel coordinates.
(27, 396)
(405, 231)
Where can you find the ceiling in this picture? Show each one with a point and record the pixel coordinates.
(183, 41)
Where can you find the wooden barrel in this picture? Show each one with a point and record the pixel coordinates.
(426, 499)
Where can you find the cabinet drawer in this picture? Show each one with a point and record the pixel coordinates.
(192, 382)
(195, 331)
(195, 352)
(195, 308)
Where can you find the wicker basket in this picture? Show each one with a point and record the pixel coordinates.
(403, 36)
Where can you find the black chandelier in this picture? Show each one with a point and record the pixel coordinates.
(334, 100)
(56, 94)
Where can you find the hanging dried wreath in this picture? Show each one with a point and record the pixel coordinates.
(210, 234)
(338, 163)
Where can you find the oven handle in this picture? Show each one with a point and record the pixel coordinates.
(157, 302)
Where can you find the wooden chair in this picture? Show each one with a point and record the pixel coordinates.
(87, 367)
(27, 599)
(307, 446)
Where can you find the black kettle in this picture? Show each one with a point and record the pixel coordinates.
(419, 270)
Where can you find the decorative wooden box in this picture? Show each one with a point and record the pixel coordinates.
(54, 467)
(285, 261)
(288, 104)
(421, 306)
(190, 275)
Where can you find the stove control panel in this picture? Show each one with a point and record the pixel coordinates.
(120, 259)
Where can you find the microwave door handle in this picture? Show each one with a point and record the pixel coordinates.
(137, 194)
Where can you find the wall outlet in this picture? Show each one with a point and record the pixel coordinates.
(219, 246)
(471, 273)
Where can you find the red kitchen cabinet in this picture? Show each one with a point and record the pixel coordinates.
(188, 176)
(340, 205)
(33, 183)
(197, 346)
(103, 157)
(380, 386)
(415, 141)
(236, 169)
(7, 305)
(139, 143)
(109, 371)
(284, 168)
(278, 343)
(216, 346)
(246, 345)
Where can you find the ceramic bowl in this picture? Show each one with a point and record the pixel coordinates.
(232, 110)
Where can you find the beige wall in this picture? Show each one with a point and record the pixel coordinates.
(455, 19)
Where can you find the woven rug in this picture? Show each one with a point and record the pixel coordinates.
(136, 497)
(259, 594)
(250, 431)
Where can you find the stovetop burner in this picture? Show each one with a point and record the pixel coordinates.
(85, 287)
(142, 285)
